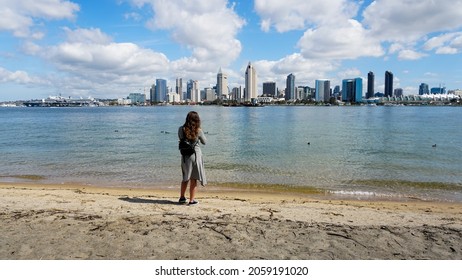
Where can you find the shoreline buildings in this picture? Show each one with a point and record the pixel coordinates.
(350, 91)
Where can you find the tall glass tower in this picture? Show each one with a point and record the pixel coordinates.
(250, 90)
(322, 90)
(179, 87)
(370, 85)
(161, 91)
(290, 87)
(352, 90)
(222, 85)
(388, 84)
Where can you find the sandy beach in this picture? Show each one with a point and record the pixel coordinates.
(79, 222)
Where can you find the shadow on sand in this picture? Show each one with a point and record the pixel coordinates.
(144, 200)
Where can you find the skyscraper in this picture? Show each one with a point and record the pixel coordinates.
(322, 90)
(398, 92)
(250, 90)
(290, 87)
(388, 84)
(352, 90)
(195, 92)
(179, 87)
(269, 89)
(161, 91)
(370, 85)
(423, 89)
(152, 91)
(222, 85)
(189, 87)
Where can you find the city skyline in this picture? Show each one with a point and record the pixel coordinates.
(68, 47)
(222, 91)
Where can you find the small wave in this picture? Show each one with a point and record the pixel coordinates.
(362, 194)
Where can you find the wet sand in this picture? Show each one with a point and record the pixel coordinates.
(71, 222)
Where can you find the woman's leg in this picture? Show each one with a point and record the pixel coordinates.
(184, 186)
(192, 189)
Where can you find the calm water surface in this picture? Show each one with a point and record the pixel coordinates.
(352, 151)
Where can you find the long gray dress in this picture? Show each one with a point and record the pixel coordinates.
(193, 166)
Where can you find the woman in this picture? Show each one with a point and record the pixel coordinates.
(192, 166)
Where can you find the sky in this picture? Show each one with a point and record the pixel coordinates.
(110, 48)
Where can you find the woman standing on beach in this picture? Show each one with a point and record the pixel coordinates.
(192, 166)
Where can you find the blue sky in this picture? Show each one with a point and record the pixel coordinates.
(109, 48)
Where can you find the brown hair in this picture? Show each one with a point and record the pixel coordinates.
(192, 125)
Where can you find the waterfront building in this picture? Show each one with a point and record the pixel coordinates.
(161, 91)
(269, 89)
(189, 88)
(370, 85)
(423, 89)
(137, 98)
(195, 92)
(290, 87)
(352, 90)
(388, 84)
(336, 92)
(179, 87)
(438, 90)
(173, 97)
(250, 90)
(210, 94)
(152, 93)
(222, 85)
(236, 94)
(306, 92)
(398, 92)
(322, 90)
(299, 92)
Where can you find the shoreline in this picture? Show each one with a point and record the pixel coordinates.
(53, 221)
(349, 193)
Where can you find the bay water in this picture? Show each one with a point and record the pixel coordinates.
(353, 151)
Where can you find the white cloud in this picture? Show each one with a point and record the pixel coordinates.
(335, 31)
(446, 50)
(90, 60)
(448, 43)
(349, 73)
(410, 55)
(207, 28)
(348, 41)
(19, 16)
(410, 20)
(89, 36)
(112, 59)
(133, 16)
(31, 48)
(20, 77)
(299, 14)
